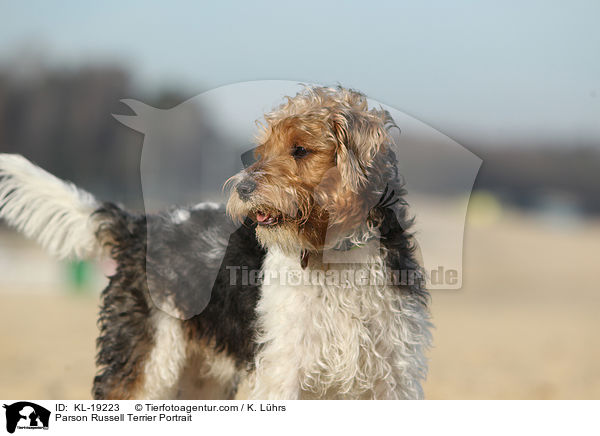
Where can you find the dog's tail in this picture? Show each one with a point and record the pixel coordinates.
(55, 213)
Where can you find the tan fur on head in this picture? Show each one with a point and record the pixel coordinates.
(328, 188)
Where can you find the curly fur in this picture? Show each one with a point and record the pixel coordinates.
(338, 342)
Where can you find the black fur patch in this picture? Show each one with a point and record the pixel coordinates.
(125, 330)
(407, 273)
(230, 316)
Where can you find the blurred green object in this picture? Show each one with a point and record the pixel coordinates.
(79, 275)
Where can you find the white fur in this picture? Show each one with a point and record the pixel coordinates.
(330, 341)
(206, 205)
(55, 213)
(180, 216)
(167, 358)
(222, 368)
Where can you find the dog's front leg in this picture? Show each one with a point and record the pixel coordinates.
(277, 375)
(275, 387)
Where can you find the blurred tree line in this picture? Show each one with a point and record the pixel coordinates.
(531, 177)
(62, 121)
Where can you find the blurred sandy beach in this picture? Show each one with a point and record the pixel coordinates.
(524, 326)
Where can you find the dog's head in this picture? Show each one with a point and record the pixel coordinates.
(322, 163)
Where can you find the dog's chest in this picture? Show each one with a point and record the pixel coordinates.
(291, 304)
(318, 322)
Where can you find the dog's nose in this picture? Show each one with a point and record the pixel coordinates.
(245, 188)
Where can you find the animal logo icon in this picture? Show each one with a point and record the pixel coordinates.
(198, 143)
(26, 415)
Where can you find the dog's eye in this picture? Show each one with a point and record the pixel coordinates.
(299, 151)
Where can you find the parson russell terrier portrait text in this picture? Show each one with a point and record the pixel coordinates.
(321, 196)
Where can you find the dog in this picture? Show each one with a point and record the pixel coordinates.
(320, 197)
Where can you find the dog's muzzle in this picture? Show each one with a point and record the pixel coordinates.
(245, 188)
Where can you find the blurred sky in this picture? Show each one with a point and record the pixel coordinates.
(512, 70)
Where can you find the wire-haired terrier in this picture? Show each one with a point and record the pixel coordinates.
(323, 221)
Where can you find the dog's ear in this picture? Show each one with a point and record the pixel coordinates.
(360, 135)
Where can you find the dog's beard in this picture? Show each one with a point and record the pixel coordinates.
(296, 235)
(298, 227)
(284, 237)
